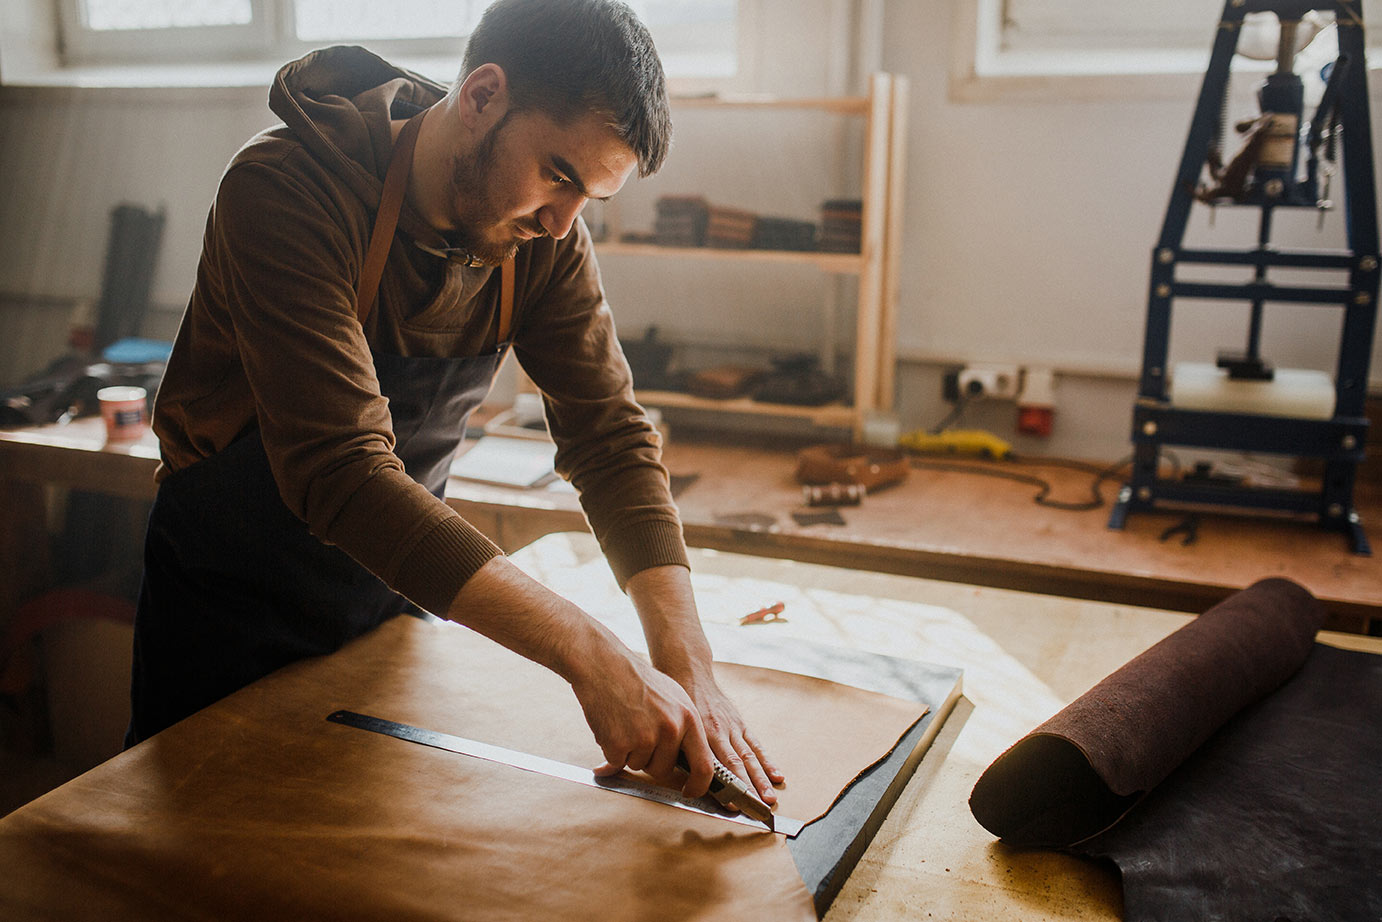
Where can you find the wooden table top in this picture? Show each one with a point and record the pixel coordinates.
(1024, 657)
(984, 530)
(978, 529)
(938, 524)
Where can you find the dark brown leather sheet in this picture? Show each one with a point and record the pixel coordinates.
(259, 808)
(1277, 817)
(1080, 771)
(1230, 772)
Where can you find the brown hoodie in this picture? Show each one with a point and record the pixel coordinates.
(270, 339)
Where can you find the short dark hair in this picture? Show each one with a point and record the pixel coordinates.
(568, 58)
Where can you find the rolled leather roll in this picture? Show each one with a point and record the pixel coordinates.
(1079, 772)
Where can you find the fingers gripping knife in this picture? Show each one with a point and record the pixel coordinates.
(731, 791)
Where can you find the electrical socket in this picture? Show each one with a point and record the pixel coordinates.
(1002, 382)
(950, 384)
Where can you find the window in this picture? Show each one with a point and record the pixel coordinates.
(697, 38)
(1085, 25)
(111, 15)
(1136, 48)
(342, 20)
(1170, 27)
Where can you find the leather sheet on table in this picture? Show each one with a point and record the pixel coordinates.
(1277, 817)
(259, 808)
(1230, 772)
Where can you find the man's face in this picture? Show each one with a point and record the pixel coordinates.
(530, 177)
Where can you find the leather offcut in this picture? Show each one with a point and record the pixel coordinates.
(872, 468)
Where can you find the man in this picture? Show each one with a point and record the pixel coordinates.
(364, 268)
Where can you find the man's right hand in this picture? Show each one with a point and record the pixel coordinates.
(641, 718)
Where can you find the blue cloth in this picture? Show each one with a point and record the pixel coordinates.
(135, 351)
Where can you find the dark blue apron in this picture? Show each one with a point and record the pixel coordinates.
(235, 586)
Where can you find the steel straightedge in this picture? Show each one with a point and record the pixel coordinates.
(622, 784)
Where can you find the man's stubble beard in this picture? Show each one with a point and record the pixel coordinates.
(470, 181)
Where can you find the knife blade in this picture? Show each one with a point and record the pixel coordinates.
(730, 790)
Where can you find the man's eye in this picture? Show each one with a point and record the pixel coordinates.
(558, 179)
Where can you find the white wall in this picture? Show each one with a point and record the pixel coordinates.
(68, 156)
(1027, 232)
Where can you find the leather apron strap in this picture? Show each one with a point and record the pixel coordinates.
(386, 219)
(505, 302)
(386, 223)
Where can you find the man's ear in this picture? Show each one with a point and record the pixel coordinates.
(484, 97)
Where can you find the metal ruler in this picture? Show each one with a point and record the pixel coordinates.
(622, 784)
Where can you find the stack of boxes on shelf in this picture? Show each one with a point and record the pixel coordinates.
(729, 228)
(841, 225)
(784, 234)
(681, 221)
(691, 221)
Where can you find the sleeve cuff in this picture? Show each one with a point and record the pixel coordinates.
(441, 562)
(650, 544)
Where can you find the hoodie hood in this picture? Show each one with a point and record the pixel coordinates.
(338, 102)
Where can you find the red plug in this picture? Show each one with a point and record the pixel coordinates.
(1036, 405)
(1035, 420)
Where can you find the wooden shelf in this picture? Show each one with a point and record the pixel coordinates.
(874, 268)
(843, 105)
(831, 414)
(842, 263)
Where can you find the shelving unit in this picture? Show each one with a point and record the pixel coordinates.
(844, 263)
(883, 112)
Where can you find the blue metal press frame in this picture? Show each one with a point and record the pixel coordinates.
(1339, 441)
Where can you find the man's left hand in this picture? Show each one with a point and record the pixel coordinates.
(677, 645)
(730, 740)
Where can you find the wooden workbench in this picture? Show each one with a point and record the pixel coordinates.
(960, 527)
(1024, 656)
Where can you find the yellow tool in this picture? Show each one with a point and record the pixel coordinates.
(956, 442)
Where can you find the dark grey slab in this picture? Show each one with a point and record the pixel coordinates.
(827, 850)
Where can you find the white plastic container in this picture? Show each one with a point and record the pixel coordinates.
(125, 411)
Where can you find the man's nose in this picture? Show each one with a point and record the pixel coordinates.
(557, 217)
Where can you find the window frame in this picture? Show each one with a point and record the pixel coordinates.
(1063, 26)
(983, 71)
(269, 38)
(79, 45)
